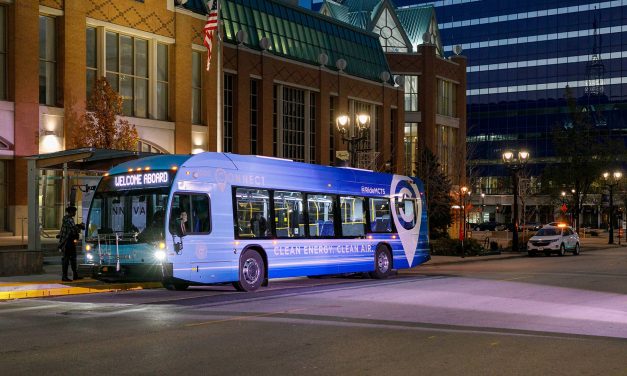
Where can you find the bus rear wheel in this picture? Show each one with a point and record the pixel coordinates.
(382, 263)
(251, 272)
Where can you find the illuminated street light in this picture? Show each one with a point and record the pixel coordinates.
(515, 161)
(362, 125)
(611, 180)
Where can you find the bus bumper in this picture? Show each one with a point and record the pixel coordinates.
(126, 272)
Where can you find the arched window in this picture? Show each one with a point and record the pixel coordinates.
(4, 144)
(149, 147)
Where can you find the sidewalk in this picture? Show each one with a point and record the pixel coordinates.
(49, 283)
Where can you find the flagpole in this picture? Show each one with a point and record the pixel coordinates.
(219, 73)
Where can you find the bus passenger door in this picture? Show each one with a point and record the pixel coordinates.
(208, 247)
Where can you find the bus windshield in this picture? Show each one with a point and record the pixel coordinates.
(134, 216)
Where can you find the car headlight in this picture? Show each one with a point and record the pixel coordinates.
(89, 256)
(160, 255)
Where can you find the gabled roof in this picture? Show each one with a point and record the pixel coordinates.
(300, 34)
(415, 20)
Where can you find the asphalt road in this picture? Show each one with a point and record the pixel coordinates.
(523, 316)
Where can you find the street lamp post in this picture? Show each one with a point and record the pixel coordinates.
(562, 209)
(515, 162)
(362, 125)
(462, 201)
(611, 180)
(482, 207)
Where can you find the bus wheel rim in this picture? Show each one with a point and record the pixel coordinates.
(383, 262)
(250, 271)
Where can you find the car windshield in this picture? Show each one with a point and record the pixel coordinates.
(549, 232)
(135, 216)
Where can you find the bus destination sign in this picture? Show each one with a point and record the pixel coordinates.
(152, 179)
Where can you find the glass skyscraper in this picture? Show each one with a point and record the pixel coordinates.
(521, 56)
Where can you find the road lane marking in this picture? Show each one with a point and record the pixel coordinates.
(246, 317)
(516, 278)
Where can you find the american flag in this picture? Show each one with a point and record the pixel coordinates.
(210, 27)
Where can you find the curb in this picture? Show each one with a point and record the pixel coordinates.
(64, 290)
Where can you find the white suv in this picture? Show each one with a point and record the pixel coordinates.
(554, 239)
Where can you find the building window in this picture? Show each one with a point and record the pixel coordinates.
(312, 127)
(293, 124)
(275, 121)
(411, 144)
(47, 61)
(196, 87)
(390, 35)
(393, 132)
(162, 81)
(447, 101)
(3, 53)
(227, 115)
(332, 131)
(254, 116)
(92, 60)
(411, 93)
(447, 144)
(127, 71)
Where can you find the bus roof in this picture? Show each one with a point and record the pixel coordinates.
(158, 162)
(249, 163)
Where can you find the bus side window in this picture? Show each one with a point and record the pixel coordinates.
(200, 220)
(380, 215)
(320, 208)
(353, 213)
(288, 214)
(252, 209)
(180, 214)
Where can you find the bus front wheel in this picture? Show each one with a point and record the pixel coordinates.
(251, 271)
(382, 263)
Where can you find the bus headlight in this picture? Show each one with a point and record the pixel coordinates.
(160, 255)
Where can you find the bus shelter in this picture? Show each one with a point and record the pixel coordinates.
(56, 180)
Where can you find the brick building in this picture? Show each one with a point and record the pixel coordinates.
(280, 78)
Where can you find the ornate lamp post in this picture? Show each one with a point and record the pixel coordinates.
(611, 180)
(515, 161)
(361, 127)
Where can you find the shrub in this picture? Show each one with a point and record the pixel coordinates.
(453, 247)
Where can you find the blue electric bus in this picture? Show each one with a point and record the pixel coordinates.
(215, 218)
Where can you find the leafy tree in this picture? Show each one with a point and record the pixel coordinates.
(582, 149)
(437, 190)
(100, 127)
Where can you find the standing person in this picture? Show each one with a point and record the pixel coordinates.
(67, 236)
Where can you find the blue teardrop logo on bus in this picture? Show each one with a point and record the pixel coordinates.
(407, 213)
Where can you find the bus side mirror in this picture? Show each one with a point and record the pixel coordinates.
(178, 247)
